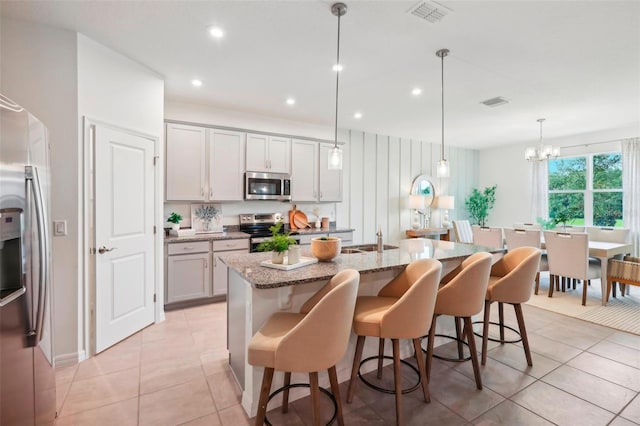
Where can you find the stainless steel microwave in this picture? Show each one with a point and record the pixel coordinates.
(267, 186)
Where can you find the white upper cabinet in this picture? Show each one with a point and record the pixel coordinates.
(268, 153)
(185, 163)
(204, 164)
(304, 170)
(311, 179)
(330, 181)
(226, 165)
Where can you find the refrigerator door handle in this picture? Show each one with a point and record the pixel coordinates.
(31, 174)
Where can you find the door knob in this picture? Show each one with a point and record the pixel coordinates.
(103, 249)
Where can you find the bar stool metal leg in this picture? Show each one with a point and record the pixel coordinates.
(380, 357)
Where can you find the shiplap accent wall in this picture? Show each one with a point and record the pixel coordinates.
(378, 173)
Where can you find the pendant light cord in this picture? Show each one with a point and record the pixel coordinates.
(442, 102)
(335, 135)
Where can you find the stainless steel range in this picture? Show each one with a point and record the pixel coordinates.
(258, 224)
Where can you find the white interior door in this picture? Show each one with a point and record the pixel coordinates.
(124, 234)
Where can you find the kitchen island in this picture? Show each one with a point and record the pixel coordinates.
(255, 292)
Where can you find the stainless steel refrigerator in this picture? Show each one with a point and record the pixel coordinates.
(27, 377)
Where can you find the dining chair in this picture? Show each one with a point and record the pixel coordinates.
(568, 228)
(527, 238)
(311, 340)
(522, 225)
(462, 231)
(403, 309)
(611, 235)
(568, 256)
(487, 236)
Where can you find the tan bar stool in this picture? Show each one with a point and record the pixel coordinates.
(462, 296)
(511, 282)
(314, 339)
(402, 310)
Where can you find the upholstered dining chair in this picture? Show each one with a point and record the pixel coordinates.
(568, 255)
(511, 282)
(612, 235)
(461, 296)
(522, 225)
(403, 309)
(568, 228)
(527, 238)
(314, 339)
(462, 231)
(487, 236)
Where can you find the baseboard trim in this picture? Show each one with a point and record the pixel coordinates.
(70, 359)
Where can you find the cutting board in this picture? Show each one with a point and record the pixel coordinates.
(300, 220)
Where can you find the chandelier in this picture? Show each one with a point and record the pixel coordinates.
(541, 152)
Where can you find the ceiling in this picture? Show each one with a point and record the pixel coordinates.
(576, 63)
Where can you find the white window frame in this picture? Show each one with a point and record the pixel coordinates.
(589, 191)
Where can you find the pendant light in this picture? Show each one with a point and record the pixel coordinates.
(335, 153)
(442, 169)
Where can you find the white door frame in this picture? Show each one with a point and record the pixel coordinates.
(87, 325)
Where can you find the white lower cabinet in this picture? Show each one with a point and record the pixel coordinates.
(225, 247)
(188, 277)
(195, 272)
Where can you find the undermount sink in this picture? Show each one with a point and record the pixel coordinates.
(363, 248)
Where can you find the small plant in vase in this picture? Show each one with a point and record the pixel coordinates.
(278, 243)
(174, 219)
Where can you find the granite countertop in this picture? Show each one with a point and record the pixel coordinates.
(260, 277)
(231, 235)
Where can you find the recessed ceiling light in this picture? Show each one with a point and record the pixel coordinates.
(416, 91)
(216, 32)
(290, 101)
(196, 82)
(357, 115)
(338, 67)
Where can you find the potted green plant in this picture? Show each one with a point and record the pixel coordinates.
(278, 244)
(175, 219)
(479, 203)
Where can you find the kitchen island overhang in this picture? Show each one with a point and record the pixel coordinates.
(256, 292)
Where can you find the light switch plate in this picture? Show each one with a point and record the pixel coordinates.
(59, 227)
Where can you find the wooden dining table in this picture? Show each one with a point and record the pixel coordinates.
(605, 250)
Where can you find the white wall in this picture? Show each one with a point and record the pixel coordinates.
(60, 77)
(118, 91)
(39, 72)
(377, 177)
(506, 167)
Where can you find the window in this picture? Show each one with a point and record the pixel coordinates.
(586, 190)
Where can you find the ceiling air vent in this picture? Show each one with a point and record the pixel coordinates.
(495, 102)
(429, 11)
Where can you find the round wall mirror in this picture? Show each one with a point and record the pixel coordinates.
(422, 185)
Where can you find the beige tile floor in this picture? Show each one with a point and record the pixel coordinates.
(176, 373)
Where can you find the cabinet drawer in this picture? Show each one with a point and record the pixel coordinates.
(222, 245)
(306, 239)
(190, 247)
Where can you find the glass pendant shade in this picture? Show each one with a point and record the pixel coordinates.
(442, 169)
(335, 158)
